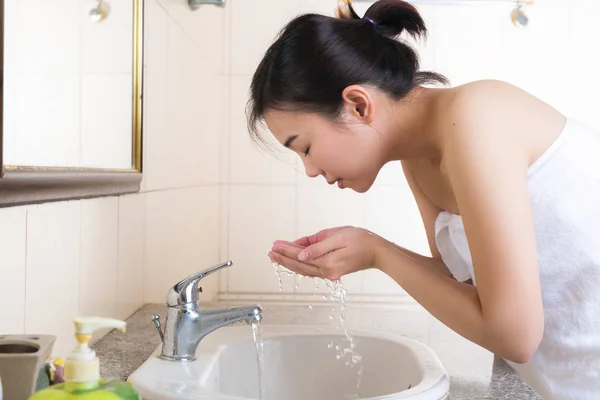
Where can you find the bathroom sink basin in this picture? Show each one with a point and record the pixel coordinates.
(300, 363)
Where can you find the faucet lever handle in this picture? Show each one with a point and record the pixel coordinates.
(186, 291)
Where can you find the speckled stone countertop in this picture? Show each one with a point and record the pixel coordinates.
(474, 372)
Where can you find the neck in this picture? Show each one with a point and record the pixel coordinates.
(412, 131)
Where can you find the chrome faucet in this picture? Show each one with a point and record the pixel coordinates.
(186, 324)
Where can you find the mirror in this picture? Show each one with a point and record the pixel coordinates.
(71, 99)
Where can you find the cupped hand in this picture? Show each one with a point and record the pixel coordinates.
(329, 254)
(319, 236)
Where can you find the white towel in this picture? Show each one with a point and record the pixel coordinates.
(564, 186)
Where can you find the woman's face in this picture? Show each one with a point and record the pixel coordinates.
(347, 153)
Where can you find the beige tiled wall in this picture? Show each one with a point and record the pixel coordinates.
(109, 256)
(270, 198)
(63, 259)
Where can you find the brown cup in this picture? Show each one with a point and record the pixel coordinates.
(21, 360)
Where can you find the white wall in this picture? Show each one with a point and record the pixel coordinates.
(270, 198)
(109, 256)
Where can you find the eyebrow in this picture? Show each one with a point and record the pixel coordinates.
(289, 140)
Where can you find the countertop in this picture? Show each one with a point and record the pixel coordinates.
(474, 372)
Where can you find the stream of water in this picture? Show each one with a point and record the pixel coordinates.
(260, 358)
(337, 296)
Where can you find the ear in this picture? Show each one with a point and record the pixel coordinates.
(358, 103)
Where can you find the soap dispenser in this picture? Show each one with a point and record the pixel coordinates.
(82, 369)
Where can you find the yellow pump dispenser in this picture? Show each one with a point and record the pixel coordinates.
(82, 369)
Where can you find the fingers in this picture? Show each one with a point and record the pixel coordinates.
(286, 243)
(295, 266)
(306, 241)
(319, 236)
(320, 249)
(287, 249)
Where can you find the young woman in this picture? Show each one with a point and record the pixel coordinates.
(508, 189)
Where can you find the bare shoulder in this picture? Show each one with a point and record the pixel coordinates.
(503, 102)
(493, 111)
(492, 90)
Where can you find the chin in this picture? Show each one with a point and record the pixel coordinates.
(361, 187)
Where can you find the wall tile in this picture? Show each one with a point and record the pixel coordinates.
(36, 114)
(53, 271)
(224, 211)
(250, 163)
(226, 54)
(463, 63)
(508, 50)
(130, 281)
(253, 30)
(325, 7)
(258, 216)
(106, 121)
(204, 27)
(225, 131)
(156, 33)
(185, 152)
(99, 257)
(107, 46)
(240, 93)
(12, 269)
(182, 238)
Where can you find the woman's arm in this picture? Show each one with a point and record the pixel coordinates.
(455, 304)
(487, 171)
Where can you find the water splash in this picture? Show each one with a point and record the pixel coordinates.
(337, 295)
(260, 358)
(279, 270)
(351, 358)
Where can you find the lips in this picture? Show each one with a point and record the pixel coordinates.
(340, 183)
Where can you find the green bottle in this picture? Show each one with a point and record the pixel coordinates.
(82, 369)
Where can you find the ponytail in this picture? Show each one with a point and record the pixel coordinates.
(389, 17)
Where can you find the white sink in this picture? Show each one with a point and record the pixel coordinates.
(298, 365)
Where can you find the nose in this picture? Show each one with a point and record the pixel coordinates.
(312, 171)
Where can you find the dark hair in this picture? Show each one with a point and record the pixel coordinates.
(315, 57)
